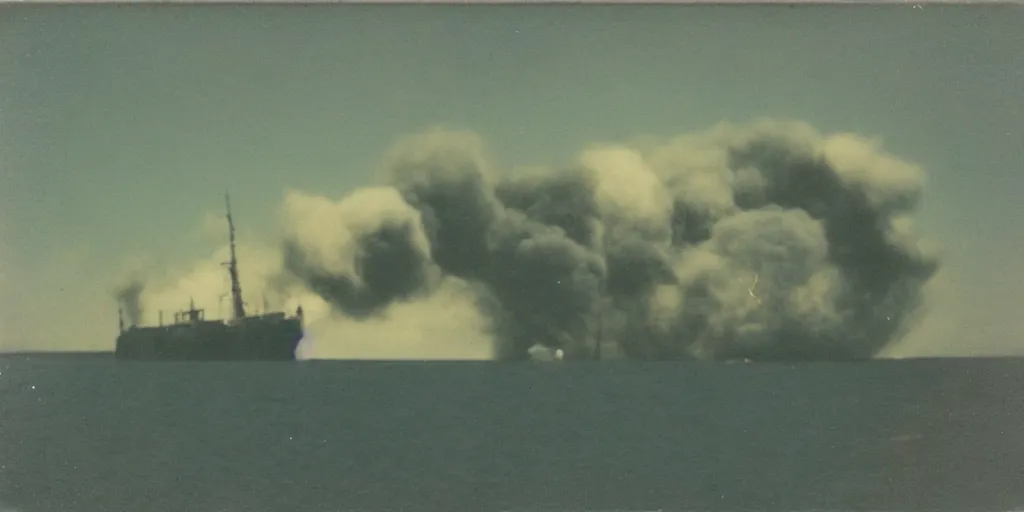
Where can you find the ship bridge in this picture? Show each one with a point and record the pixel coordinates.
(190, 315)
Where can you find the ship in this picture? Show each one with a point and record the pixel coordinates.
(268, 336)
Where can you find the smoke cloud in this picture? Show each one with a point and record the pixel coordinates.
(764, 241)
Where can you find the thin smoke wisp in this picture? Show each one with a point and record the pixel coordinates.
(129, 298)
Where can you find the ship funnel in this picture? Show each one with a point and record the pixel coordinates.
(120, 319)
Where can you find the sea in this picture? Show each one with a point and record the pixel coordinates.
(94, 434)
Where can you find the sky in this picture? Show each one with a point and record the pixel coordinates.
(121, 127)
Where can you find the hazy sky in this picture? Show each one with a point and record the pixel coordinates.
(121, 127)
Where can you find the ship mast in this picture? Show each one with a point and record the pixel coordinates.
(236, 289)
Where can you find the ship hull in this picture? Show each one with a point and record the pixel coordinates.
(212, 341)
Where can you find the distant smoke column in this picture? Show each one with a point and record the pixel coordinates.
(130, 298)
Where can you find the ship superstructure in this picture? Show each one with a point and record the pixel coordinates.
(266, 336)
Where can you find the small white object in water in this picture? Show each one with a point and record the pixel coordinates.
(539, 352)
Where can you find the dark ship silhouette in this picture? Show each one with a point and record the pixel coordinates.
(267, 337)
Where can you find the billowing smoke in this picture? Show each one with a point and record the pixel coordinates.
(359, 255)
(129, 297)
(761, 241)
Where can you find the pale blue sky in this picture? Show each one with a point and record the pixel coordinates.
(121, 126)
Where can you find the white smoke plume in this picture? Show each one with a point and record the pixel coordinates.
(444, 325)
(206, 283)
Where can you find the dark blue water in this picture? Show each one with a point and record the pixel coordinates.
(97, 435)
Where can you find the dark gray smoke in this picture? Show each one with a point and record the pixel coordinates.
(129, 297)
(762, 241)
